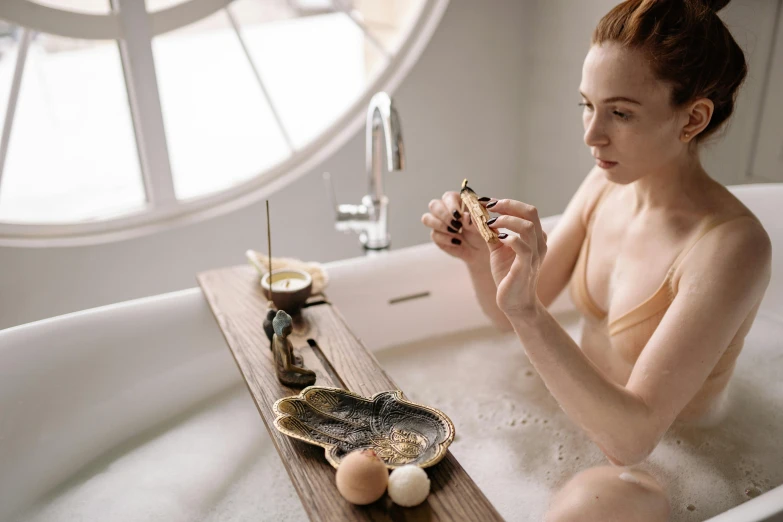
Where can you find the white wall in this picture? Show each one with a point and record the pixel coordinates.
(556, 157)
(461, 113)
(493, 99)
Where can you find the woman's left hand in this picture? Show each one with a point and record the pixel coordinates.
(517, 258)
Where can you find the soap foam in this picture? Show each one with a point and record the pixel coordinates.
(629, 477)
(712, 466)
(218, 464)
(215, 464)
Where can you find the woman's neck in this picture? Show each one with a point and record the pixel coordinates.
(675, 186)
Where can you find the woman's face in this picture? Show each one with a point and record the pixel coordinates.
(630, 124)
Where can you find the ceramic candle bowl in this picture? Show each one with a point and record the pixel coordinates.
(290, 288)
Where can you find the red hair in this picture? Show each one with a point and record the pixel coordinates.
(688, 45)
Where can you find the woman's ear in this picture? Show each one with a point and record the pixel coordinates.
(699, 115)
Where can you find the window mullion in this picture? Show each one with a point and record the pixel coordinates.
(342, 8)
(13, 97)
(141, 81)
(269, 100)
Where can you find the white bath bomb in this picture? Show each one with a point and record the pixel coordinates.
(408, 485)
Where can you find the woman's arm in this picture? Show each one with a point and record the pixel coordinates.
(486, 294)
(563, 246)
(721, 280)
(565, 241)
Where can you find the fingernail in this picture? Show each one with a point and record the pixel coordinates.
(492, 204)
(484, 199)
(456, 224)
(492, 220)
(451, 230)
(502, 236)
(456, 241)
(456, 215)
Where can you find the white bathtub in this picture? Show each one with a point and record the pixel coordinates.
(136, 411)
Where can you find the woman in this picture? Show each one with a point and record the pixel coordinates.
(667, 267)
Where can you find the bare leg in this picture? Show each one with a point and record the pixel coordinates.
(600, 495)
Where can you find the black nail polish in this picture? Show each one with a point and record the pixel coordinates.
(456, 224)
(492, 220)
(451, 230)
(484, 199)
(492, 204)
(456, 241)
(502, 236)
(456, 215)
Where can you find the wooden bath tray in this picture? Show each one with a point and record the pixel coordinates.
(339, 360)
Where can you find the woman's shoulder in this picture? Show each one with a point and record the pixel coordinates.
(730, 236)
(732, 219)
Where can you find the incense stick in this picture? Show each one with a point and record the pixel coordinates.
(269, 247)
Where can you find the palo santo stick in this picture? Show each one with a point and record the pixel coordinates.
(477, 211)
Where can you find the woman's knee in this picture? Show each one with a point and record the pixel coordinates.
(609, 493)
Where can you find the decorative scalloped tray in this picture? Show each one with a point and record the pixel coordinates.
(401, 432)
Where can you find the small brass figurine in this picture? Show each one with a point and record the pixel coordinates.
(477, 211)
(289, 366)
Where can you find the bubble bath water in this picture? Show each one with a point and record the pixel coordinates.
(216, 462)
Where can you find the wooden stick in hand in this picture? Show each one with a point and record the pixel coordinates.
(477, 211)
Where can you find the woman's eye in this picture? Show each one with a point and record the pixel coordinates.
(586, 105)
(621, 115)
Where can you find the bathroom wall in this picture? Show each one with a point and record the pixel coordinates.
(461, 108)
(556, 159)
(493, 98)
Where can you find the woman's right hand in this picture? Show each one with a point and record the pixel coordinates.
(455, 233)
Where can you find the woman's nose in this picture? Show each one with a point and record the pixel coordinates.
(595, 133)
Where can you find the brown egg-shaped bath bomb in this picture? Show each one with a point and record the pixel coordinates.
(362, 477)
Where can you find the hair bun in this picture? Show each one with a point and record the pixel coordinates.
(715, 5)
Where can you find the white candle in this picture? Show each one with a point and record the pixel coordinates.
(289, 284)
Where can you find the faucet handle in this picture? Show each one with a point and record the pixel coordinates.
(347, 217)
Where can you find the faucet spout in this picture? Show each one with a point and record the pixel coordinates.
(382, 119)
(370, 218)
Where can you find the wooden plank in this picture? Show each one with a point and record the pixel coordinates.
(339, 360)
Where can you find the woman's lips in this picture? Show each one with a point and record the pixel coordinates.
(605, 164)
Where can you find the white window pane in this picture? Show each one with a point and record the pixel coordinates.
(72, 153)
(159, 5)
(79, 6)
(313, 67)
(219, 128)
(388, 20)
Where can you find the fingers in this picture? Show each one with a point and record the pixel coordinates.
(521, 218)
(524, 230)
(436, 224)
(445, 214)
(453, 202)
(519, 209)
(521, 247)
(447, 242)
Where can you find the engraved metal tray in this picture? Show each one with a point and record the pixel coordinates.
(401, 432)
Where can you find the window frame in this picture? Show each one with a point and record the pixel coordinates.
(163, 210)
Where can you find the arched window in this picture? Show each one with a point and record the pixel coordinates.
(120, 118)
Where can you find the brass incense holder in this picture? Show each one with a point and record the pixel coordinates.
(399, 431)
(477, 211)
